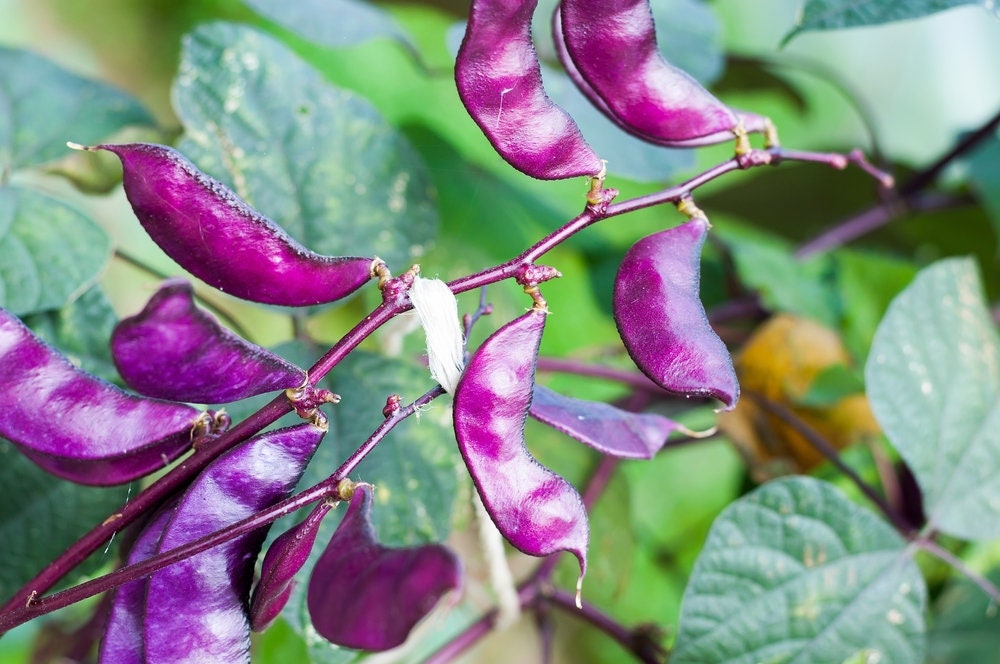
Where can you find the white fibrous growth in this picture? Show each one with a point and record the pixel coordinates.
(437, 309)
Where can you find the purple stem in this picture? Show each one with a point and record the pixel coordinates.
(325, 489)
(943, 554)
(644, 648)
(632, 379)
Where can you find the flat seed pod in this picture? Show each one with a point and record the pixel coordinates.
(213, 234)
(662, 321)
(607, 429)
(75, 425)
(609, 49)
(367, 596)
(196, 609)
(285, 557)
(173, 350)
(535, 509)
(122, 642)
(500, 83)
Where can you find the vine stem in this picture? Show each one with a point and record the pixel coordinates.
(183, 473)
(327, 489)
(938, 551)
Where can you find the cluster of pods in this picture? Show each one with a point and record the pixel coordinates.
(362, 594)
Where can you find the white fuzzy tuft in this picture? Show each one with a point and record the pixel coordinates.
(437, 309)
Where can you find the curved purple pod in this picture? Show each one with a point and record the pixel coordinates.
(197, 608)
(659, 314)
(535, 509)
(122, 642)
(284, 558)
(367, 596)
(500, 82)
(609, 49)
(213, 234)
(174, 350)
(75, 425)
(607, 429)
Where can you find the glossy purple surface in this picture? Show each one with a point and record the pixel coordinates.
(122, 642)
(535, 509)
(217, 237)
(77, 426)
(500, 83)
(173, 350)
(607, 429)
(658, 310)
(196, 609)
(284, 558)
(367, 596)
(609, 49)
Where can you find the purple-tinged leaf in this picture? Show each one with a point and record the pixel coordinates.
(122, 642)
(607, 429)
(367, 596)
(217, 237)
(500, 82)
(610, 51)
(662, 321)
(284, 558)
(196, 609)
(75, 425)
(535, 509)
(173, 350)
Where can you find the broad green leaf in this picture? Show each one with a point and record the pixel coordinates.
(794, 572)
(49, 252)
(984, 171)
(41, 515)
(318, 160)
(966, 625)
(42, 106)
(82, 331)
(933, 378)
(837, 14)
(331, 22)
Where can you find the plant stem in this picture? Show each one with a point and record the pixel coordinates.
(632, 379)
(325, 489)
(642, 646)
(938, 551)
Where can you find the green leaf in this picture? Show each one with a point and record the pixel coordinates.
(41, 515)
(318, 160)
(837, 14)
(795, 572)
(933, 379)
(331, 22)
(42, 106)
(82, 331)
(984, 171)
(966, 625)
(49, 251)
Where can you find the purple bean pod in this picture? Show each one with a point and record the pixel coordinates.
(75, 425)
(122, 642)
(500, 82)
(609, 50)
(536, 510)
(662, 321)
(368, 596)
(284, 558)
(607, 429)
(173, 350)
(197, 608)
(213, 234)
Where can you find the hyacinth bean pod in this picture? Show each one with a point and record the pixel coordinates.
(216, 236)
(368, 596)
(536, 510)
(75, 425)
(610, 51)
(173, 350)
(285, 557)
(122, 641)
(607, 429)
(196, 609)
(500, 82)
(659, 314)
